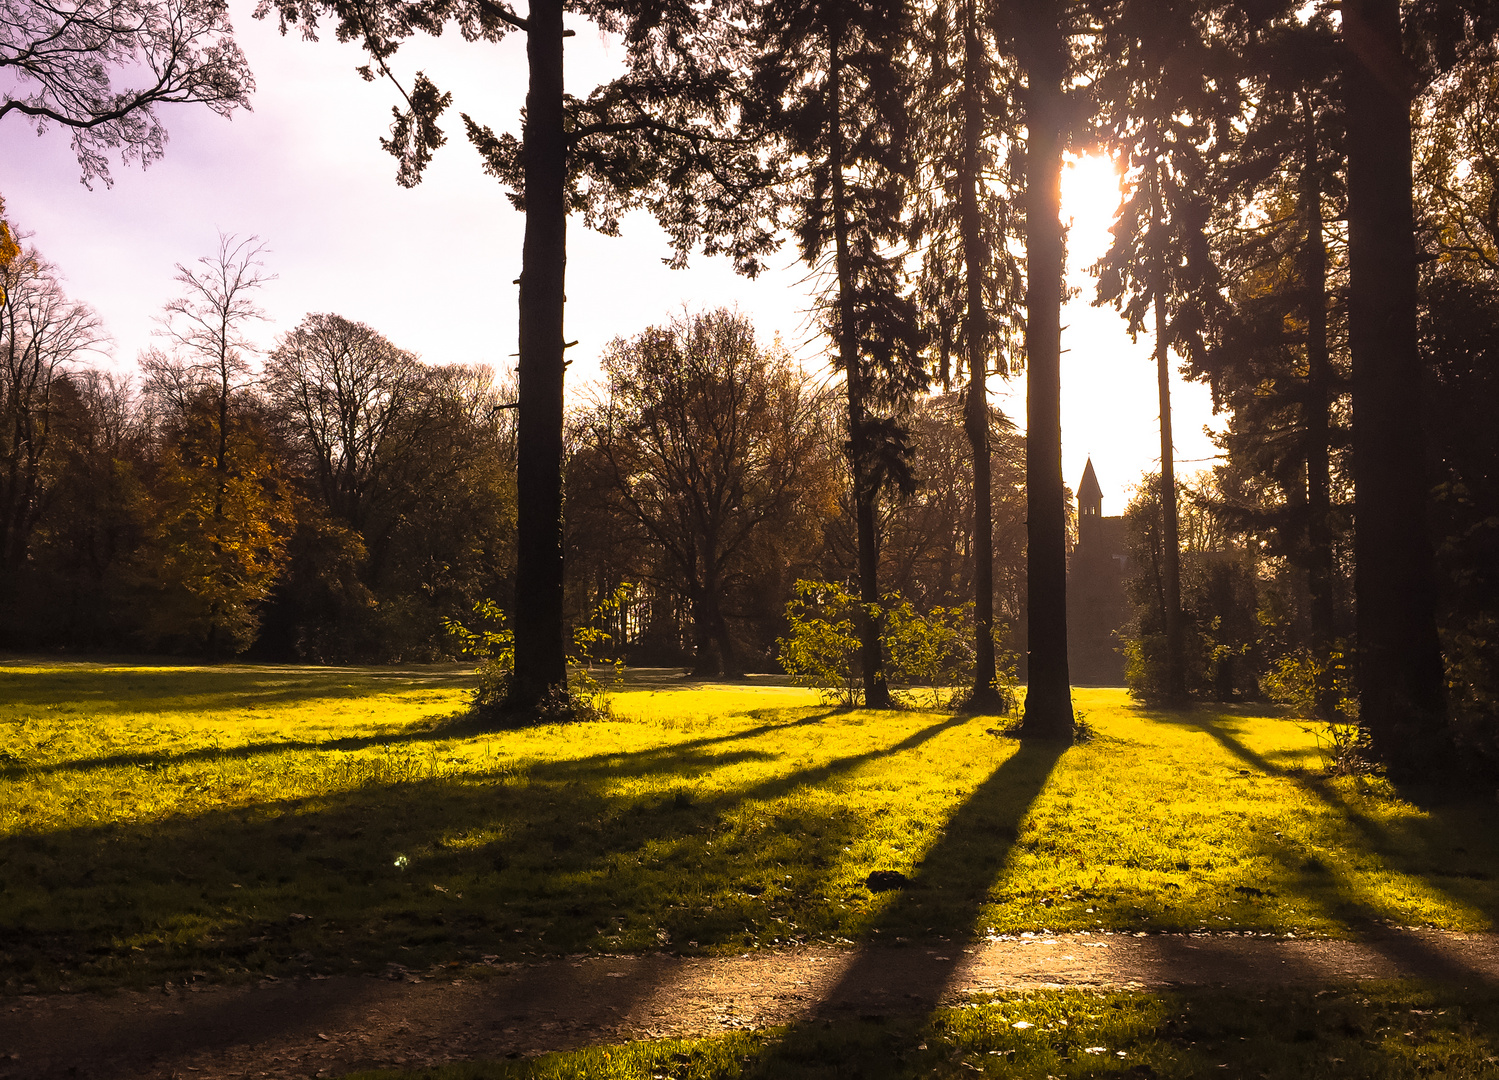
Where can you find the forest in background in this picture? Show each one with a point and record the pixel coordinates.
(336, 500)
(1308, 224)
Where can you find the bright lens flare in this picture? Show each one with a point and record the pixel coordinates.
(1090, 199)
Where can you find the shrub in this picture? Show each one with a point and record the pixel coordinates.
(1296, 681)
(822, 647)
(592, 675)
(930, 654)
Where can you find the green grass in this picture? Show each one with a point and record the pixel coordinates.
(188, 822)
(1367, 1033)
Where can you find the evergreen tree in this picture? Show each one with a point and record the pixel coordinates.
(971, 283)
(1277, 356)
(1164, 95)
(831, 85)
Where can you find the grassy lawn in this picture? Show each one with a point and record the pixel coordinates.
(1368, 1033)
(187, 822)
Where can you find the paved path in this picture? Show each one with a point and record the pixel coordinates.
(313, 1027)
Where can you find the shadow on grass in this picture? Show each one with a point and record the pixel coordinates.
(461, 725)
(1452, 834)
(103, 689)
(944, 898)
(610, 852)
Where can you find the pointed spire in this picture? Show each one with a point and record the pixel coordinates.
(1088, 491)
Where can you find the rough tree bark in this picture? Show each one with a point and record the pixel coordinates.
(1048, 701)
(540, 648)
(1402, 697)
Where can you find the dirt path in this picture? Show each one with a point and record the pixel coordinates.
(324, 1027)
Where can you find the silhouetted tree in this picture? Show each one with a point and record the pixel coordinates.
(1277, 357)
(656, 137)
(710, 443)
(966, 215)
(1165, 92)
(345, 390)
(831, 84)
(42, 335)
(1045, 57)
(62, 60)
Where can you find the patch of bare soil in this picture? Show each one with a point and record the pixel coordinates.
(324, 1027)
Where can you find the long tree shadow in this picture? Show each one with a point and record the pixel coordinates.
(1474, 823)
(950, 886)
(467, 865)
(611, 852)
(461, 726)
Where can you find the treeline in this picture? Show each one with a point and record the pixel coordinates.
(338, 500)
(333, 500)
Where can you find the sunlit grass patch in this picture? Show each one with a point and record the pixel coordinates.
(1365, 1033)
(245, 821)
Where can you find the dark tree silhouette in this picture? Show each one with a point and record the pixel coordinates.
(1044, 56)
(970, 283)
(656, 137)
(709, 443)
(830, 84)
(42, 335)
(1277, 356)
(1402, 693)
(1164, 92)
(61, 62)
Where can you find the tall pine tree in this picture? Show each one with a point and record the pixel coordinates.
(832, 87)
(658, 136)
(971, 284)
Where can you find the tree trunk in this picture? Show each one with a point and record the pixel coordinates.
(985, 696)
(1048, 700)
(704, 661)
(540, 651)
(728, 662)
(1318, 395)
(876, 692)
(1402, 696)
(1176, 674)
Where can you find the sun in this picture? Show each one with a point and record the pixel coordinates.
(1090, 200)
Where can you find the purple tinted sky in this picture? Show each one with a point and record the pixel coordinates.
(431, 268)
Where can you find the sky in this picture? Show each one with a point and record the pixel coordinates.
(432, 267)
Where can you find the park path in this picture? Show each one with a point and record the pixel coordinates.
(328, 1026)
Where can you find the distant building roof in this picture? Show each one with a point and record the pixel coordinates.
(1088, 490)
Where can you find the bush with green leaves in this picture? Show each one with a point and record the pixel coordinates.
(592, 673)
(821, 648)
(1297, 680)
(929, 655)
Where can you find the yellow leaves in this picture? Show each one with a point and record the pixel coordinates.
(9, 249)
(223, 536)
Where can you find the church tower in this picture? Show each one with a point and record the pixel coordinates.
(1096, 606)
(1090, 513)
